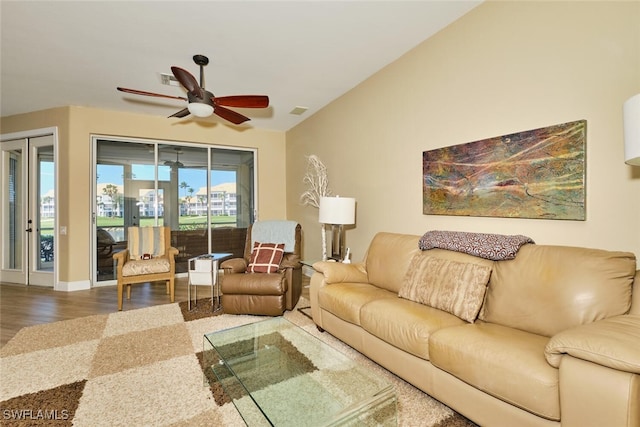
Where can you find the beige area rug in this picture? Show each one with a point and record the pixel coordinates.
(143, 367)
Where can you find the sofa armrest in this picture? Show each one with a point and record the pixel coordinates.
(234, 265)
(612, 342)
(337, 272)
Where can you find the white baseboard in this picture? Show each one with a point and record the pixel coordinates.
(105, 283)
(80, 285)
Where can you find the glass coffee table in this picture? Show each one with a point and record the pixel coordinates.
(278, 374)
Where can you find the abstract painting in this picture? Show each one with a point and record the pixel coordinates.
(537, 174)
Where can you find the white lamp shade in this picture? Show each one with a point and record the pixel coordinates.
(199, 109)
(631, 111)
(337, 210)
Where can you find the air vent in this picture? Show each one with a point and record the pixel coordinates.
(298, 111)
(169, 80)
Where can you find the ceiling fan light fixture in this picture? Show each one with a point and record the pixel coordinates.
(199, 109)
(201, 102)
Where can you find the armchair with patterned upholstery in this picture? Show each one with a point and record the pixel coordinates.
(153, 243)
(268, 279)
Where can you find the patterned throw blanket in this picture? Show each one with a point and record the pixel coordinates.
(495, 247)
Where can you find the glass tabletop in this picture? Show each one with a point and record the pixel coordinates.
(278, 374)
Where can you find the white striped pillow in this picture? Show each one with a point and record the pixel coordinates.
(447, 285)
(145, 240)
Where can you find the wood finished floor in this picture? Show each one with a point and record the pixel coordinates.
(22, 306)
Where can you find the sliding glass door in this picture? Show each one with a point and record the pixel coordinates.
(205, 194)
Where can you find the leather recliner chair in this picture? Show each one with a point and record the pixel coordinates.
(267, 294)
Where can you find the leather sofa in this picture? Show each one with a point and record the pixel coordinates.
(556, 341)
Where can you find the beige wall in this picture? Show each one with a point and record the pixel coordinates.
(76, 125)
(504, 67)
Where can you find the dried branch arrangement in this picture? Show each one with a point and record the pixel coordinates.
(317, 182)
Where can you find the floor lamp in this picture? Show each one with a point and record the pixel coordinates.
(631, 118)
(337, 212)
(631, 112)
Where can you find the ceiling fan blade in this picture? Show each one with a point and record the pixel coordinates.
(158, 95)
(182, 113)
(232, 116)
(189, 82)
(243, 101)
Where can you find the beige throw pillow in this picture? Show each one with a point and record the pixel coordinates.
(455, 287)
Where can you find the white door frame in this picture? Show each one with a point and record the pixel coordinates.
(27, 274)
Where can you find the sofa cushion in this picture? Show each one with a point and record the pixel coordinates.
(147, 266)
(388, 257)
(504, 362)
(547, 289)
(455, 287)
(345, 300)
(405, 324)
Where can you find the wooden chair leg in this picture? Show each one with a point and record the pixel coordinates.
(171, 285)
(129, 291)
(119, 296)
(168, 286)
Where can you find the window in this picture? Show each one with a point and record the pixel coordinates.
(194, 189)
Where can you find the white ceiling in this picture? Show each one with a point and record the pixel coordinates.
(299, 53)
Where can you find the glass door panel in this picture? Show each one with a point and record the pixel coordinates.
(28, 211)
(231, 199)
(125, 196)
(42, 213)
(14, 206)
(44, 208)
(182, 174)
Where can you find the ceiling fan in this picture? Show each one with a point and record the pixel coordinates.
(177, 163)
(203, 103)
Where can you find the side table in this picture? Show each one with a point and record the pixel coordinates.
(203, 271)
(308, 265)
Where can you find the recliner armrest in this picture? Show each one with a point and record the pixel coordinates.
(337, 272)
(234, 265)
(290, 260)
(612, 342)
